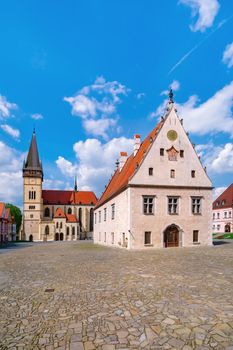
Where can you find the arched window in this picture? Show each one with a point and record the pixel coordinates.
(47, 212)
(60, 224)
(172, 174)
(73, 231)
(80, 218)
(46, 231)
(57, 225)
(69, 211)
(67, 231)
(91, 219)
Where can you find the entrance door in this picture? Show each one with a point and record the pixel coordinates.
(61, 236)
(31, 238)
(171, 237)
(227, 228)
(57, 236)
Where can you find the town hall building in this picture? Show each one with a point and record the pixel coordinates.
(50, 215)
(159, 196)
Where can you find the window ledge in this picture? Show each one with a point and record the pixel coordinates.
(149, 245)
(197, 214)
(148, 214)
(196, 243)
(173, 214)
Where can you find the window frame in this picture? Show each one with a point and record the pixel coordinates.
(150, 240)
(113, 211)
(195, 205)
(151, 171)
(195, 236)
(148, 197)
(172, 204)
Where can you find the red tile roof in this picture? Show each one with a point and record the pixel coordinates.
(68, 197)
(71, 218)
(120, 179)
(59, 214)
(2, 206)
(225, 200)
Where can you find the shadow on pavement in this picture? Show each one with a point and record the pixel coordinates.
(13, 246)
(222, 241)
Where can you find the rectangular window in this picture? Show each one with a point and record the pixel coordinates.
(229, 214)
(218, 215)
(162, 151)
(31, 216)
(181, 153)
(195, 236)
(95, 218)
(193, 173)
(196, 205)
(213, 215)
(112, 235)
(148, 205)
(225, 214)
(218, 227)
(173, 205)
(172, 174)
(105, 237)
(150, 171)
(147, 237)
(99, 216)
(113, 211)
(105, 214)
(32, 207)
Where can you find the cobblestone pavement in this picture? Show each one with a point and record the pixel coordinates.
(80, 296)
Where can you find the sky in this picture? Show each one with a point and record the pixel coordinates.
(89, 74)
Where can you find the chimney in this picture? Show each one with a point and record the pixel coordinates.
(123, 158)
(137, 142)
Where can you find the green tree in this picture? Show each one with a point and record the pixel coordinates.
(16, 212)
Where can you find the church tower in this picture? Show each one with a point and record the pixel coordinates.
(32, 196)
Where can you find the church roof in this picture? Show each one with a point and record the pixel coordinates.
(225, 200)
(2, 211)
(68, 197)
(33, 160)
(71, 218)
(120, 179)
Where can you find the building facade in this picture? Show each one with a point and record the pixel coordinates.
(159, 196)
(7, 225)
(50, 215)
(223, 212)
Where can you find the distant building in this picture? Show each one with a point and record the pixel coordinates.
(50, 215)
(223, 212)
(7, 225)
(159, 196)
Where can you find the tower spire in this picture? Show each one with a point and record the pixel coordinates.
(32, 166)
(75, 184)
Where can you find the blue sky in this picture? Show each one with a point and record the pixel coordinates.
(90, 74)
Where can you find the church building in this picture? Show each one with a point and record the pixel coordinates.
(159, 196)
(50, 215)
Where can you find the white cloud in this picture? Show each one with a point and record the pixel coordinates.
(99, 127)
(217, 191)
(37, 116)
(11, 183)
(175, 85)
(217, 159)
(206, 10)
(228, 55)
(96, 105)
(6, 107)
(54, 184)
(15, 133)
(95, 162)
(140, 95)
(212, 116)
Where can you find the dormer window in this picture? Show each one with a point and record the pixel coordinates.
(193, 173)
(162, 151)
(150, 171)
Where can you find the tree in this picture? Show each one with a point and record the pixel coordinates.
(16, 212)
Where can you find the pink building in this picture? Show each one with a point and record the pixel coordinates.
(223, 212)
(7, 225)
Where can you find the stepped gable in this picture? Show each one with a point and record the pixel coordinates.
(121, 178)
(68, 197)
(226, 197)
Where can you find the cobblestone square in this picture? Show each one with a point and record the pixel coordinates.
(75, 295)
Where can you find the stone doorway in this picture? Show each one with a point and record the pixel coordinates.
(171, 236)
(31, 238)
(227, 228)
(61, 236)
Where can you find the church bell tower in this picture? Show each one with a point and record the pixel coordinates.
(32, 194)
